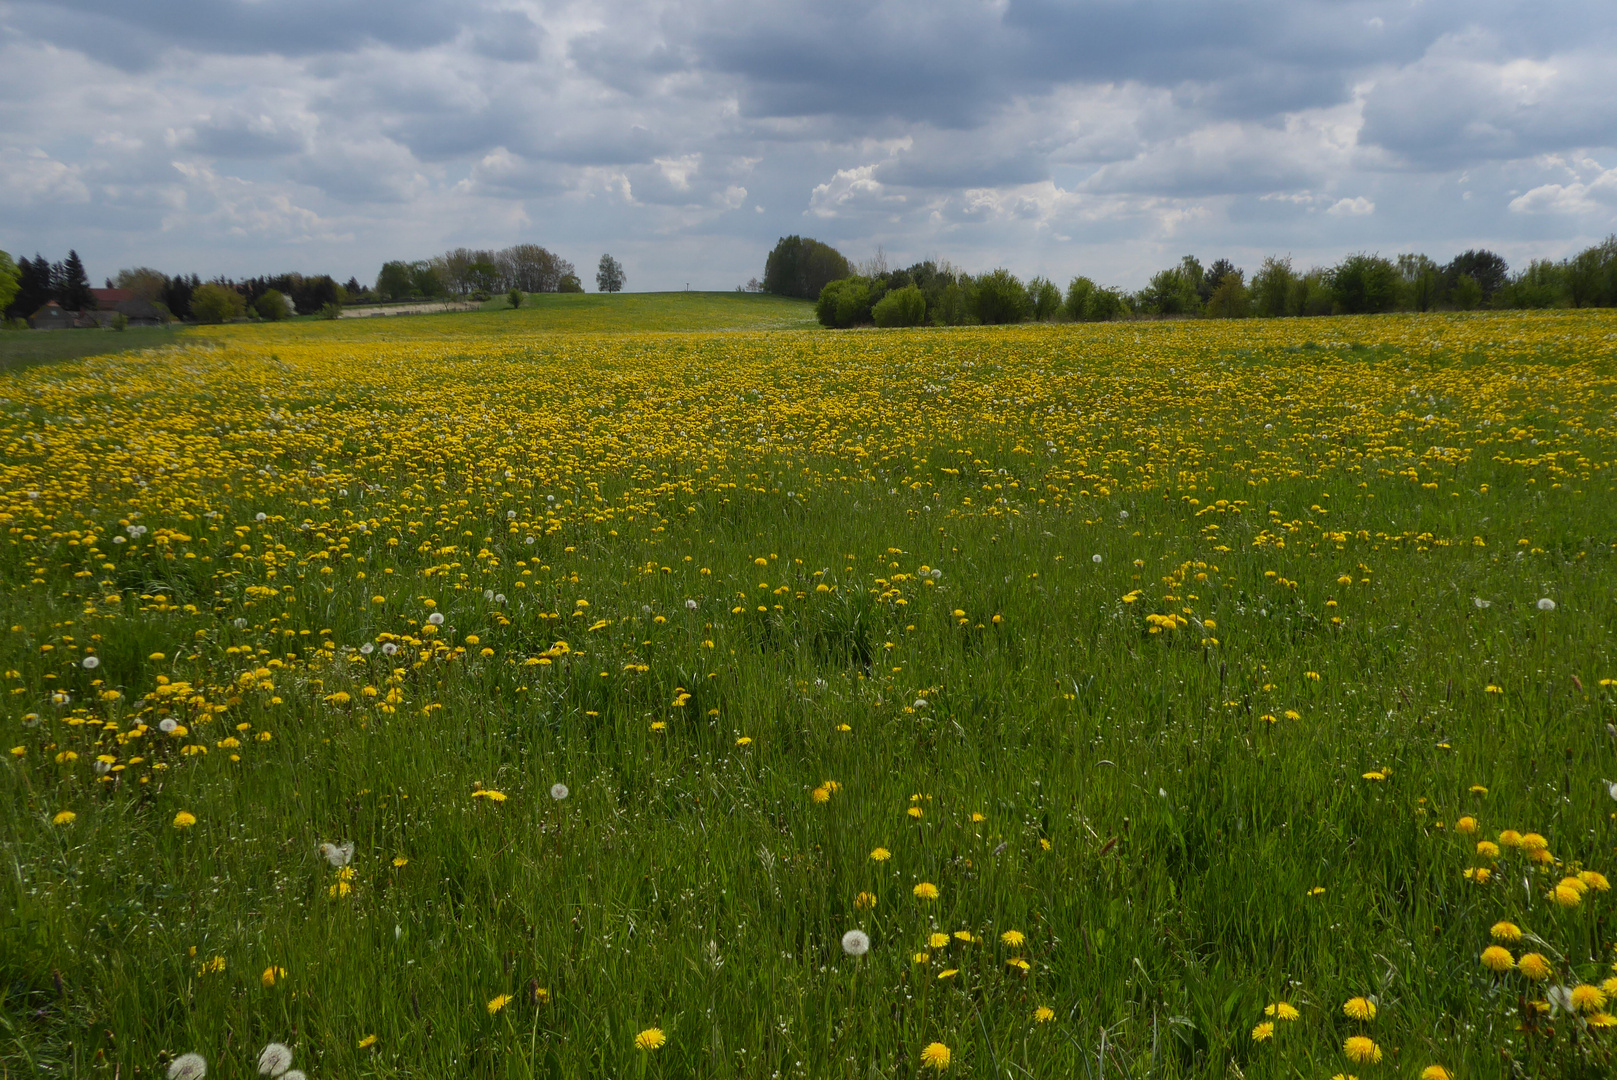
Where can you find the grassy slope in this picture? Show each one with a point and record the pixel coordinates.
(542, 313)
(1157, 840)
(629, 312)
(20, 348)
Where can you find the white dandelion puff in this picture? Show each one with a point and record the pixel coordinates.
(1546, 604)
(388, 648)
(274, 1059)
(856, 943)
(167, 725)
(921, 703)
(294, 1074)
(510, 515)
(1481, 603)
(367, 648)
(690, 605)
(1611, 788)
(260, 516)
(338, 854)
(488, 594)
(499, 598)
(531, 541)
(559, 792)
(91, 663)
(436, 618)
(187, 1067)
(937, 575)
(1094, 558)
(239, 624)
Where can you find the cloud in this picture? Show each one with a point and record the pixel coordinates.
(1579, 197)
(33, 176)
(1045, 135)
(1358, 206)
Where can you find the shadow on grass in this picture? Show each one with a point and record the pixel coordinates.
(25, 348)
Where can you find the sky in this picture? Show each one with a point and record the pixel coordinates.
(1096, 137)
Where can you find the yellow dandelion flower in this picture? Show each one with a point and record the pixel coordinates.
(400, 861)
(938, 941)
(1359, 1008)
(864, 901)
(1497, 958)
(1510, 838)
(1281, 1010)
(367, 1041)
(1594, 880)
(1487, 849)
(1534, 842)
(921, 958)
(948, 973)
(1534, 966)
(497, 1003)
(1013, 938)
(1435, 1072)
(1361, 1050)
(1568, 896)
(1043, 1014)
(926, 891)
(1264, 1031)
(184, 819)
(935, 1056)
(650, 1039)
(272, 975)
(1466, 825)
(1588, 999)
(820, 795)
(1505, 931)
(914, 812)
(64, 817)
(881, 854)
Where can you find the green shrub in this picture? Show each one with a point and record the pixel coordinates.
(846, 302)
(1001, 298)
(272, 306)
(215, 303)
(901, 307)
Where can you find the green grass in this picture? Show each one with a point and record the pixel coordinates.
(1156, 837)
(22, 348)
(637, 312)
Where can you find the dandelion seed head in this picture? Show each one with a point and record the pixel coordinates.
(274, 1059)
(559, 792)
(188, 1067)
(856, 943)
(1546, 604)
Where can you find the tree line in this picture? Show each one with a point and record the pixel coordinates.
(478, 274)
(38, 281)
(30, 284)
(934, 292)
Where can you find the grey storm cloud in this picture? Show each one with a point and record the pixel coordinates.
(344, 132)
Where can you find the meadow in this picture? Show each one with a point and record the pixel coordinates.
(1181, 699)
